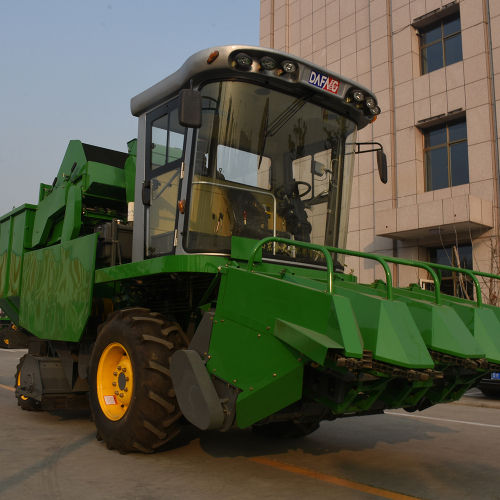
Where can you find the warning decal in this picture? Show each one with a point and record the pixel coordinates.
(324, 82)
(110, 400)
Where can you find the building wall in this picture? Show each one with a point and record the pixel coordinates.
(375, 43)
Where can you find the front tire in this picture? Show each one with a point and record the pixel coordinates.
(131, 392)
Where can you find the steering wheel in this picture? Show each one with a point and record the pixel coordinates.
(292, 188)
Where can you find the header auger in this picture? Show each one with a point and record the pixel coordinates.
(201, 274)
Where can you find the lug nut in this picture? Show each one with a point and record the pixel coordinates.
(115, 374)
(126, 379)
(121, 395)
(126, 389)
(118, 368)
(114, 383)
(116, 393)
(124, 369)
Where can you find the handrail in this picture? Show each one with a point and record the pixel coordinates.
(329, 262)
(428, 266)
(468, 272)
(312, 246)
(472, 273)
(422, 265)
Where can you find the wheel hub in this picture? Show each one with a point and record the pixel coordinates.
(121, 381)
(114, 381)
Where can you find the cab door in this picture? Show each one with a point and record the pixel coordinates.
(165, 141)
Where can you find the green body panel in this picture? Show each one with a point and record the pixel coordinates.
(15, 238)
(441, 327)
(79, 181)
(49, 209)
(267, 299)
(313, 344)
(188, 264)
(343, 328)
(386, 326)
(389, 331)
(57, 289)
(73, 216)
(5, 238)
(481, 322)
(266, 370)
(241, 249)
(160, 265)
(103, 180)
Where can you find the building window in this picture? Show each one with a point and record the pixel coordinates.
(456, 284)
(441, 43)
(445, 155)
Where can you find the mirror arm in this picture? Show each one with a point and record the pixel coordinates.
(381, 157)
(359, 144)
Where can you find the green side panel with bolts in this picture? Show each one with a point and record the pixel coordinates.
(268, 371)
(57, 289)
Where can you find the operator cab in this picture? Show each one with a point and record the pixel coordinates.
(274, 156)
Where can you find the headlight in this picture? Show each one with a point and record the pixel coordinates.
(268, 63)
(243, 60)
(289, 66)
(358, 95)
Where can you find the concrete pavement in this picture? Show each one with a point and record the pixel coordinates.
(447, 452)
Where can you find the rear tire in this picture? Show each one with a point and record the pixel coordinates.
(287, 429)
(146, 414)
(28, 404)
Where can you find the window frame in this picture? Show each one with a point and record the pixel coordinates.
(192, 159)
(448, 153)
(151, 174)
(151, 117)
(462, 284)
(440, 40)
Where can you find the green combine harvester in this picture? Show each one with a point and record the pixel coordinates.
(201, 274)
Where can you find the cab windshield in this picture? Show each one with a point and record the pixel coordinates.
(269, 164)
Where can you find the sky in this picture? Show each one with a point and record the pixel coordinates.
(69, 68)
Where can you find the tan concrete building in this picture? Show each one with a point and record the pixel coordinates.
(433, 65)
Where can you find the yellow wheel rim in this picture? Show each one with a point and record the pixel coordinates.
(114, 381)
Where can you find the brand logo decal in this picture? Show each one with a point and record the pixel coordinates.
(324, 82)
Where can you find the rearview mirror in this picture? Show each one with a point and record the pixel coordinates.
(318, 168)
(190, 108)
(382, 166)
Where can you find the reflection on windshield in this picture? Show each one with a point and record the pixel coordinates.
(269, 164)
